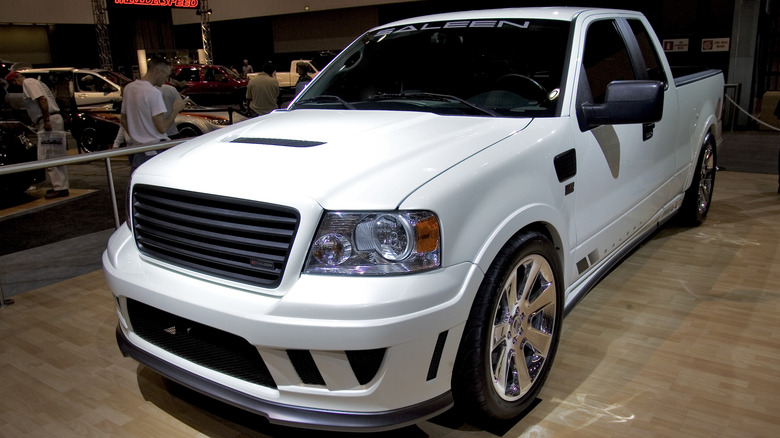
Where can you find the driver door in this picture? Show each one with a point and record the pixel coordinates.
(623, 170)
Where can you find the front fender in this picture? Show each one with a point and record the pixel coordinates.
(486, 199)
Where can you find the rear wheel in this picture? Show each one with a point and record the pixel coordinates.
(698, 197)
(88, 140)
(512, 332)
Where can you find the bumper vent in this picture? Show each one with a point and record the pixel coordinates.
(200, 344)
(234, 239)
(233, 355)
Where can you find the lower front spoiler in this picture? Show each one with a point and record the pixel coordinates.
(287, 415)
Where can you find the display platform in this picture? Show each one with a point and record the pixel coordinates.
(34, 199)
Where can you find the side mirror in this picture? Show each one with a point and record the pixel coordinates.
(626, 102)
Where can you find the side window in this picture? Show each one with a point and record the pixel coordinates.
(208, 75)
(102, 85)
(188, 75)
(86, 82)
(606, 58)
(655, 69)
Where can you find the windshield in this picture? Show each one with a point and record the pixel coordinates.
(507, 68)
(230, 72)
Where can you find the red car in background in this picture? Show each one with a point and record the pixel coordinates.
(212, 84)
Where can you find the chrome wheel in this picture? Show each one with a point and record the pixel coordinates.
(511, 335)
(523, 327)
(706, 179)
(698, 196)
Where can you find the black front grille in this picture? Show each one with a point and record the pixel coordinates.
(234, 239)
(206, 346)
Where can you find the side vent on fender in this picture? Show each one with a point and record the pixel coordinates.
(433, 369)
(566, 165)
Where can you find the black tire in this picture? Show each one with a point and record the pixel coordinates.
(502, 326)
(187, 130)
(88, 140)
(698, 197)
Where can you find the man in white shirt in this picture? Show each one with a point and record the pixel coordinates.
(262, 92)
(144, 115)
(45, 114)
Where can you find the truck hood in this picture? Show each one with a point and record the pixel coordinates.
(340, 159)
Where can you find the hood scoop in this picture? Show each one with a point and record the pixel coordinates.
(278, 142)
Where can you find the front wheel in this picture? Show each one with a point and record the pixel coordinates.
(698, 197)
(187, 130)
(512, 332)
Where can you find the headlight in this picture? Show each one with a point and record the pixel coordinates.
(375, 243)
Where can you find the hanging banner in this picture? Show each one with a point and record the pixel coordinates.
(169, 3)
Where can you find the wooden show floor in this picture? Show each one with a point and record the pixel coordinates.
(681, 339)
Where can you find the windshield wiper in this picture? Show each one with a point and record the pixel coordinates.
(325, 97)
(432, 96)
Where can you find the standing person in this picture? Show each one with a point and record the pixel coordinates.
(170, 95)
(303, 69)
(246, 69)
(45, 114)
(144, 115)
(262, 92)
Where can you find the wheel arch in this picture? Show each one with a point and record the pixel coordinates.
(546, 224)
(191, 124)
(710, 133)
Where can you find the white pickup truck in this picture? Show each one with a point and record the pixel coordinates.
(395, 244)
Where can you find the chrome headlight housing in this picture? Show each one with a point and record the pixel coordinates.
(375, 243)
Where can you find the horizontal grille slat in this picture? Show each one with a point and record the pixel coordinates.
(199, 257)
(163, 228)
(206, 223)
(225, 212)
(230, 238)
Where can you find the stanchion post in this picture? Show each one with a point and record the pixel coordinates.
(112, 191)
(3, 301)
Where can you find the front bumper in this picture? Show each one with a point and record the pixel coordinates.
(416, 321)
(296, 416)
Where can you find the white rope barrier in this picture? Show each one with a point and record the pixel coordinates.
(751, 115)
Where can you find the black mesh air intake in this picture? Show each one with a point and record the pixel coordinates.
(304, 365)
(206, 346)
(365, 363)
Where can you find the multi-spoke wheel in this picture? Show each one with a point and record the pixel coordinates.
(523, 326)
(698, 197)
(512, 333)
